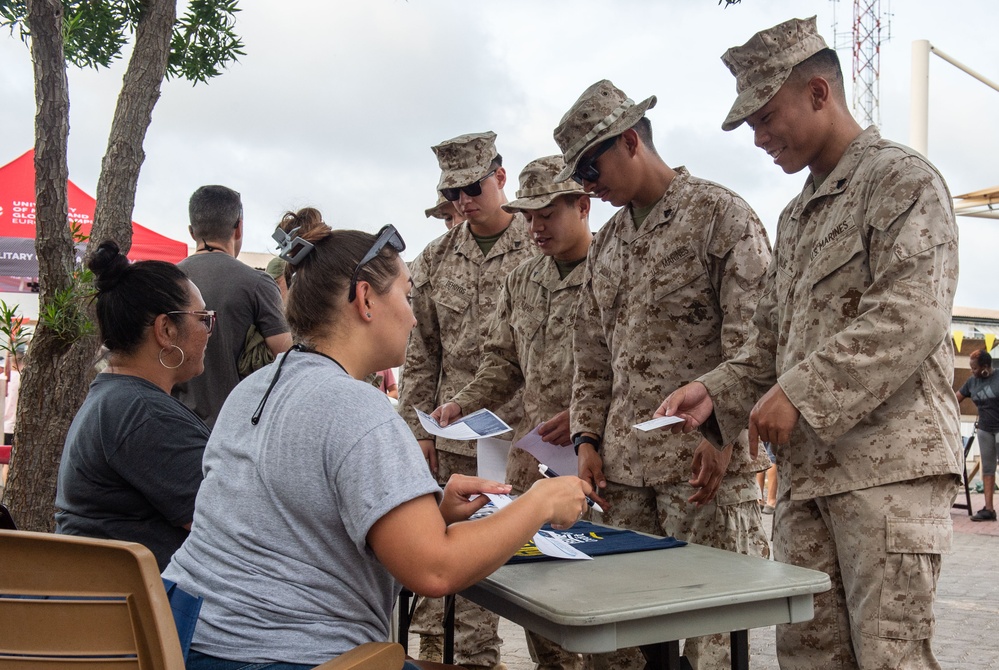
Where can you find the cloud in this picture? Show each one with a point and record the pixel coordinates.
(337, 103)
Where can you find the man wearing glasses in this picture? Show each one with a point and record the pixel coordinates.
(241, 296)
(456, 286)
(672, 282)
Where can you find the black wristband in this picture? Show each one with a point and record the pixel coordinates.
(585, 439)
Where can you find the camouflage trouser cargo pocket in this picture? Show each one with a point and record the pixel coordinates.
(912, 566)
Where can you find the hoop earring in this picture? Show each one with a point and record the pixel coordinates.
(171, 367)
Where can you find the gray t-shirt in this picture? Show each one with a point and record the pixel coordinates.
(278, 548)
(241, 297)
(985, 394)
(131, 466)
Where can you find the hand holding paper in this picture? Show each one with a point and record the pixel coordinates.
(477, 424)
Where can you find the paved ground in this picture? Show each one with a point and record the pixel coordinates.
(967, 606)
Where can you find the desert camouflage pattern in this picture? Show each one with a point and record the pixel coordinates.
(476, 630)
(601, 112)
(763, 64)
(854, 324)
(538, 187)
(731, 522)
(465, 159)
(881, 547)
(661, 306)
(529, 347)
(455, 291)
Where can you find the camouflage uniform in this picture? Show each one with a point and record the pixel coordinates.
(854, 326)
(529, 351)
(664, 304)
(455, 291)
(455, 288)
(530, 348)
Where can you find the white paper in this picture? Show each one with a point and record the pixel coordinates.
(548, 543)
(562, 460)
(491, 454)
(477, 424)
(660, 422)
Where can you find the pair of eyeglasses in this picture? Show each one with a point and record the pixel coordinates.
(205, 316)
(388, 235)
(585, 169)
(472, 190)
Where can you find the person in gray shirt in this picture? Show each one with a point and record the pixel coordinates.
(317, 504)
(242, 297)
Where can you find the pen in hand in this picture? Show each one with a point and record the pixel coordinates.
(549, 473)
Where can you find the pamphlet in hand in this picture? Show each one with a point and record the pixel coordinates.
(659, 422)
(561, 459)
(477, 424)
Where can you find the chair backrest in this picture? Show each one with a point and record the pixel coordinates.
(82, 603)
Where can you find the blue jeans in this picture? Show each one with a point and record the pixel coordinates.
(198, 661)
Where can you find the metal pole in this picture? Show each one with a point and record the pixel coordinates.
(964, 68)
(919, 100)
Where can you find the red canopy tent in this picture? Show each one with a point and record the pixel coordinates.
(18, 265)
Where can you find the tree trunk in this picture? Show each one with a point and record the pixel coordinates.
(55, 381)
(52, 388)
(139, 92)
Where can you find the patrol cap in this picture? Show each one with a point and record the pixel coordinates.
(538, 187)
(602, 111)
(465, 159)
(763, 64)
(275, 268)
(437, 211)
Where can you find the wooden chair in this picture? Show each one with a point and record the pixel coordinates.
(82, 603)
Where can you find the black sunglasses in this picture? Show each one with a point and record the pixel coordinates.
(388, 235)
(585, 168)
(472, 190)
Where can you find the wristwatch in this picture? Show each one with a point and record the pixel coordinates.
(585, 439)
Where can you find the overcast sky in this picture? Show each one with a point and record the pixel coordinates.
(336, 104)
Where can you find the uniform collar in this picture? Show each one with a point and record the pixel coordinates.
(660, 215)
(839, 179)
(512, 239)
(545, 274)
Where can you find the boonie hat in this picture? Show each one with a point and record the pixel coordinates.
(538, 187)
(763, 64)
(465, 158)
(602, 111)
(437, 211)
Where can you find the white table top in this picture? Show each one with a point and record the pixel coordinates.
(626, 600)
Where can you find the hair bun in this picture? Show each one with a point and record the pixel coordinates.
(107, 264)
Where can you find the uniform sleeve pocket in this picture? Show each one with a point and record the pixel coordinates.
(912, 567)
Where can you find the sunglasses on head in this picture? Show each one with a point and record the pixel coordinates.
(205, 316)
(472, 190)
(388, 235)
(585, 169)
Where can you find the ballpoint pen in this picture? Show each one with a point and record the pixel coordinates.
(549, 473)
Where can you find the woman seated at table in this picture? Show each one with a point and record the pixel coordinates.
(131, 465)
(317, 501)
